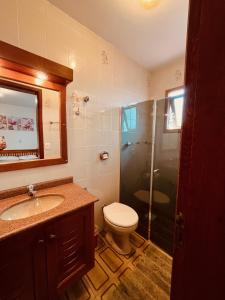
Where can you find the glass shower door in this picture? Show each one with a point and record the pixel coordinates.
(164, 181)
(135, 170)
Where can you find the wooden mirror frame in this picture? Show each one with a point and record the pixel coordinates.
(39, 151)
(23, 67)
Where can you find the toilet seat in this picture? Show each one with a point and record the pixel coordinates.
(120, 215)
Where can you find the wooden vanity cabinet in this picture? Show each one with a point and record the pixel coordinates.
(69, 250)
(21, 267)
(41, 262)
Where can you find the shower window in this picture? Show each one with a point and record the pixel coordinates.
(174, 109)
(129, 119)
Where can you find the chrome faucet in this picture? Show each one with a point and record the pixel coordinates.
(31, 191)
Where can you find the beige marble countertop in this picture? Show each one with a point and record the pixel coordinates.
(75, 198)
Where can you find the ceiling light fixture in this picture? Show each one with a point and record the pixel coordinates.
(148, 4)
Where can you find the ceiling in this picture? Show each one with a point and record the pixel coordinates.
(149, 37)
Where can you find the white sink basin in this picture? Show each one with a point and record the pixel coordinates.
(31, 207)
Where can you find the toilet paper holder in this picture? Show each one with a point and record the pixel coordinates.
(104, 155)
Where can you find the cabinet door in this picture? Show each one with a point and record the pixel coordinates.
(70, 249)
(19, 277)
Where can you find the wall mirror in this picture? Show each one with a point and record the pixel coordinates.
(32, 110)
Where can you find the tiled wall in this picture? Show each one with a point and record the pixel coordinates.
(166, 77)
(108, 77)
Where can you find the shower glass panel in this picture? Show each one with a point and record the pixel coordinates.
(150, 147)
(136, 148)
(165, 175)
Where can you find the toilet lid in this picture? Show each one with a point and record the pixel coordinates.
(120, 214)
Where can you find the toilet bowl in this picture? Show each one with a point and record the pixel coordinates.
(120, 221)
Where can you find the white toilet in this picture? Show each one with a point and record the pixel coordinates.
(120, 221)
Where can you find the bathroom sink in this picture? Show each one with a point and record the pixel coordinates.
(32, 207)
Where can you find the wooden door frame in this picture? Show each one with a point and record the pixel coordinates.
(199, 263)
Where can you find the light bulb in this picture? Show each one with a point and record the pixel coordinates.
(42, 76)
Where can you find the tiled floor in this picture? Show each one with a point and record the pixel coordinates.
(145, 274)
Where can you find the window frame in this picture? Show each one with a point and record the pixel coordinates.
(166, 130)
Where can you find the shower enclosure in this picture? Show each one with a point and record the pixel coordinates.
(136, 148)
(150, 147)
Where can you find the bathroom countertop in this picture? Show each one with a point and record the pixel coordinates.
(75, 198)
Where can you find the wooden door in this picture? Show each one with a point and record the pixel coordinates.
(199, 259)
(70, 249)
(20, 276)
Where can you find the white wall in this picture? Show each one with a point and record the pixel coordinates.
(166, 77)
(41, 28)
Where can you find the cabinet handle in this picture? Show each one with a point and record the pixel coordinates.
(52, 236)
(41, 241)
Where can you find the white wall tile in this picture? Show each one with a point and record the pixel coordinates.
(32, 24)
(9, 22)
(165, 78)
(39, 27)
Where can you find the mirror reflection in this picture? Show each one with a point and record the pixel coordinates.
(29, 122)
